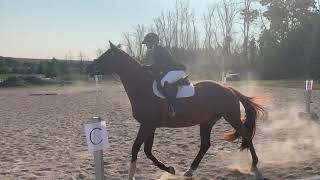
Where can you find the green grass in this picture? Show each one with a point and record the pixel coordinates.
(286, 83)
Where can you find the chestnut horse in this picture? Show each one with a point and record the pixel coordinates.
(210, 102)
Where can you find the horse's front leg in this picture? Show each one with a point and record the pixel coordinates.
(143, 133)
(148, 150)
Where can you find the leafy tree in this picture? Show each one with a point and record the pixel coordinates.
(248, 15)
(286, 15)
(284, 43)
(252, 53)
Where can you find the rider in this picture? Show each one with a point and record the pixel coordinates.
(166, 70)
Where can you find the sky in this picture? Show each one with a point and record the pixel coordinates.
(53, 28)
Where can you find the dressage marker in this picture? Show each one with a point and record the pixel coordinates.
(97, 140)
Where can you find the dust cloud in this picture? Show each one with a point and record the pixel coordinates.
(283, 138)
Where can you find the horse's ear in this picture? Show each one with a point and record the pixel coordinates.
(112, 46)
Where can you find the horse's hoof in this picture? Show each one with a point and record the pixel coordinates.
(188, 173)
(171, 170)
(256, 171)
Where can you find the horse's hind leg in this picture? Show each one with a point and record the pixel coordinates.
(148, 151)
(205, 131)
(254, 156)
(241, 130)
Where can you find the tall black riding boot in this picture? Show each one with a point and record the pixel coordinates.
(170, 93)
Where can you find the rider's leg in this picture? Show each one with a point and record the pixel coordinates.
(170, 93)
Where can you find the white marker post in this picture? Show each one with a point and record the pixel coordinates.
(97, 140)
(309, 84)
(223, 74)
(96, 78)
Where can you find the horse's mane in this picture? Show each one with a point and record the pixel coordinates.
(129, 57)
(135, 62)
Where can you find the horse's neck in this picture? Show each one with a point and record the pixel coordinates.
(135, 80)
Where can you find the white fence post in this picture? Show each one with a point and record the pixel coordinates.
(96, 78)
(309, 84)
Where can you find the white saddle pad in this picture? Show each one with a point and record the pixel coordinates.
(183, 91)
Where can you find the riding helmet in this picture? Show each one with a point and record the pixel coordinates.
(151, 38)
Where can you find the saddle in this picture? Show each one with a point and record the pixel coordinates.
(181, 82)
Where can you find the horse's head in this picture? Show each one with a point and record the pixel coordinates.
(110, 61)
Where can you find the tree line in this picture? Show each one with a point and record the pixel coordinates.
(270, 39)
(50, 68)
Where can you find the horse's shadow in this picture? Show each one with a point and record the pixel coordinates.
(253, 175)
(231, 174)
(167, 176)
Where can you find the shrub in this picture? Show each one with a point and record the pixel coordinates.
(33, 80)
(12, 81)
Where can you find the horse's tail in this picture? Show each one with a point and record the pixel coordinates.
(252, 109)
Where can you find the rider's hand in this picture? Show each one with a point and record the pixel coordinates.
(147, 67)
